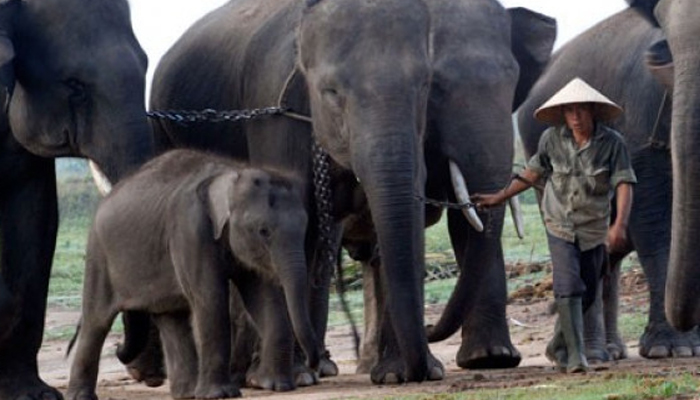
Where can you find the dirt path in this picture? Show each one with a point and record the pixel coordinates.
(530, 326)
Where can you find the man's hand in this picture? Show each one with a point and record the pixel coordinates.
(617, 238)
(483, 201)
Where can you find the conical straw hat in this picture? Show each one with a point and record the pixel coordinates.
(577, 91)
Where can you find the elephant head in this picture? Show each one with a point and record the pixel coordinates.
(73, 75)
(680, 21)
(266, 222)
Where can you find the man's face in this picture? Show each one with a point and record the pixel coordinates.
(579, 117)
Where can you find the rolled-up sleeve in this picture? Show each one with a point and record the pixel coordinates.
(539, 162)
(621, 166)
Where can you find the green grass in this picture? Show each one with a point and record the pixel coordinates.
(630, 387)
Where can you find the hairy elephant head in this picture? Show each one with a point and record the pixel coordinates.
(680, 21)
(266, 225)
(74, 80)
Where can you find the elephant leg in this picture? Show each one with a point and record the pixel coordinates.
(148, 366)
(28, 226)
(485, 337)
(611, 303)
(594, 330)
(180, 353)
(650, 229)
(273, 366)
(96, 320)
(373, 306)
(245, 339)
(319, 298)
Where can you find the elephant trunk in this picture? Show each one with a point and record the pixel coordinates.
(392, 174)
(682, 302)
(292, 270)
(130, 146)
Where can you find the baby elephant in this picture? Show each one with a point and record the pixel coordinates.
(168, 241)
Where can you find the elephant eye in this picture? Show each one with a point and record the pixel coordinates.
(78, 90)
(264, 232)
(332, 97)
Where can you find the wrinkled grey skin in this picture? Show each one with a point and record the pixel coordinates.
(168, 240)
(386, 83)
(71, 84)
(611, 56)
(680, 22)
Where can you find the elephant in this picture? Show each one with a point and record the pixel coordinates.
(168, 239)
(613, 56)
(72, 83)
(680, 23)
(390, 92)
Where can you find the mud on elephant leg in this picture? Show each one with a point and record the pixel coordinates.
(373, 304)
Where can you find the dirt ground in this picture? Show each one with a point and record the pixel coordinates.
(530, 325)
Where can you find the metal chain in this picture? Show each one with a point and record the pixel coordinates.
(324, 206)
(210, 115)
(446, 204)
(320, 160)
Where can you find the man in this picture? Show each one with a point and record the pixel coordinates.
(584, 163)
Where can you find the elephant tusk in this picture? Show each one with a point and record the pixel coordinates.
(462, 194)
(517, 213)
(104, 186)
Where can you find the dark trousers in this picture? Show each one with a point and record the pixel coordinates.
(575, 273)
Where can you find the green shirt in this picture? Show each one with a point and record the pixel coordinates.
(580, 182)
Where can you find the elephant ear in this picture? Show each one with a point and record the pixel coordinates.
(7, 51)
(219, 196)
(646, 8)
(660, 62)
(532, 42)
(7, 71)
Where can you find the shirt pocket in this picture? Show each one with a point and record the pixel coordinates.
(598, 181)
(560, 175)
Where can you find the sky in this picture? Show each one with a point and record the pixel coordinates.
(159, 23)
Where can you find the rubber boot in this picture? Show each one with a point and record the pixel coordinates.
(556, 348)
(571, 319)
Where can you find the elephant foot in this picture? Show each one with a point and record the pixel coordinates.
(392, 370)
(148, 366)
(597, 355)
(305, 376)
(326, 366)
(261, 378)
(27, 387)
(80, 394)
(492, 357)
(660, 340)
(217, 391)
(365, 364)
(557, 354)
(149, 378)
(617, 349)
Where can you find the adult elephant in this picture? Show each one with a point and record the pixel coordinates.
(612, 56)
(71, 84)
(385, 84)
(680, 21)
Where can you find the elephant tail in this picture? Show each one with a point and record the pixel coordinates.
(456, 309)
(136, 328)
(74, 339)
